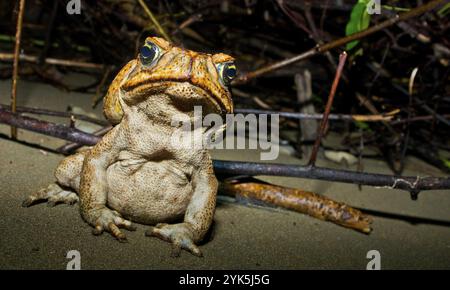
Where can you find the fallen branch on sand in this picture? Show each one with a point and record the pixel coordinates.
(309, 203)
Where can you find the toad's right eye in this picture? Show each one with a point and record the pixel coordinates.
(227, 72)
(149, 53)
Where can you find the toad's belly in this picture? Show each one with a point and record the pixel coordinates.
(149, 192)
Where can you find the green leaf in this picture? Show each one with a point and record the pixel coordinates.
(446, 162)
(444, 10)
(362, 125)
(359, 20)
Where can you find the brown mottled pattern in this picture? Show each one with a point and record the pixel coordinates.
(221, 57)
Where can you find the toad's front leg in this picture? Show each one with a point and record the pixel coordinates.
(198, 217)
(94, 188)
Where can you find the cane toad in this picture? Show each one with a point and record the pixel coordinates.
(134, 174)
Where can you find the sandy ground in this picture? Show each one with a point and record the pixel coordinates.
(244, 237)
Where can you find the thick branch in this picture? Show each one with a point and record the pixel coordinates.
(47, 128)
(414, 184)
(410, 183)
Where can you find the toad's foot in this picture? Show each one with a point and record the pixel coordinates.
(53, 194)
(110, 221)
(180, 235)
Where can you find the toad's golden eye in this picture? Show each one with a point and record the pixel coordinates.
(227, 72)
(149, 53)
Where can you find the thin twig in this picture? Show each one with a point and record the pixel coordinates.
(49, 60)
(418, 118)
(407, 125)
(295, 17)
(39, 111)
(315, 33)
(154, 20)
(341, 41)
(192, 19)
(431, 111)
(324, 122)
(335, 117)
(16, 63)
(421, 103)
(367, 103)
(48, 34)
(98, 91)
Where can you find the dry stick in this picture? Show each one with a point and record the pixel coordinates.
(385, 117)
(431, 111)
(39, 111)
(154, 20)
(407, 127)
(16, 63)
(336, 117)
(70, 147)
(324, 121)
(423, 105)
(412, 184)
(364, 101)
(315, 33)
(419, 118)
(298, 22)
(341, 41)
(48, 34)
(49, 60)
(192, 19)
(98, 96)
(309, 203)
(47, 128)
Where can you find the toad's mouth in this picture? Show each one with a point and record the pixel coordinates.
(143, 89)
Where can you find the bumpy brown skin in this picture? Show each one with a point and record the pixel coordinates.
(135, 173)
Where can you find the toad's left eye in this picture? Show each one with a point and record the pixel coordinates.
(227, 72)
(149, 53)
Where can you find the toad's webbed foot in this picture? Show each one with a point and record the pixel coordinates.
(180, 235)
(110, 221)
(53, 194)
